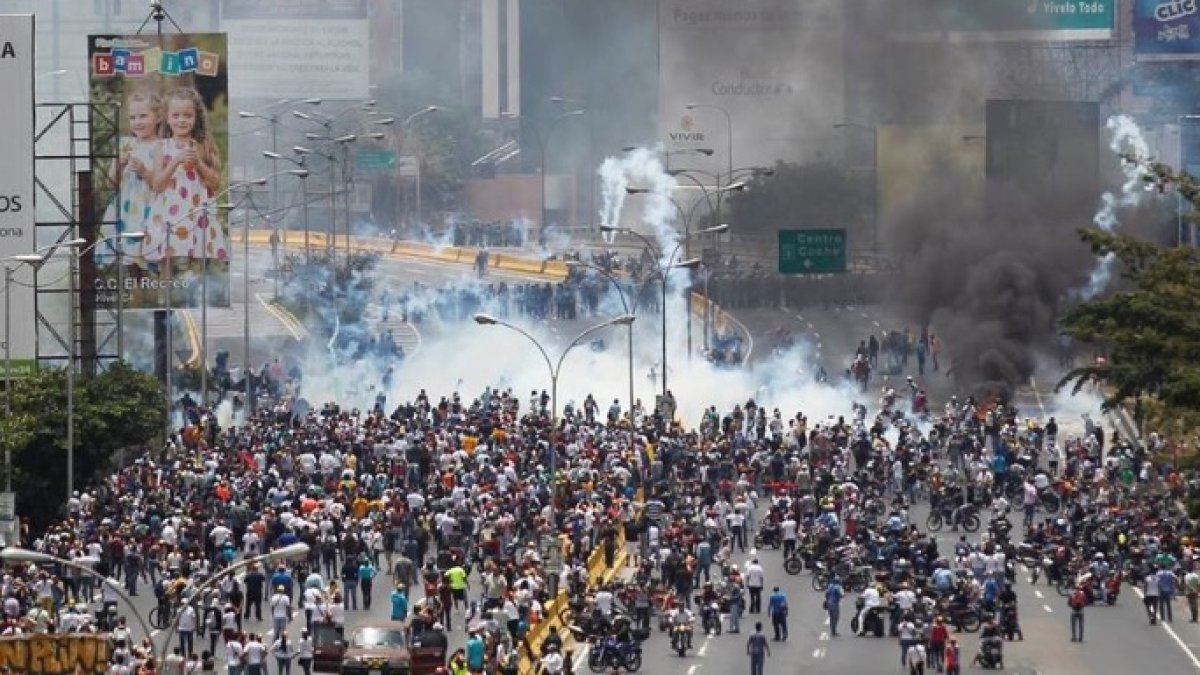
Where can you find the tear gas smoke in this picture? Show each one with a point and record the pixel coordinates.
(466, 357)
(1131, 147)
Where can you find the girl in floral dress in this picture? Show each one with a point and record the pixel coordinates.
(184, 219)
(133, 172)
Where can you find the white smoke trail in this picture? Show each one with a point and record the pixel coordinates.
(1130, 145)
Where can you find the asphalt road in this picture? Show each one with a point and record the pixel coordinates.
(1117, 639)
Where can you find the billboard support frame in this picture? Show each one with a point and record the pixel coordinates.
(63, 146)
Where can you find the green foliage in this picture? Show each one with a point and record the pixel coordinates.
(1149, 327)
(818, 194)
(119, 408)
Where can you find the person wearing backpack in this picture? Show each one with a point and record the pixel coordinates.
(1077, 602)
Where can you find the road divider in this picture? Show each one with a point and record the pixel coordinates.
(598, 574)
(285, 317)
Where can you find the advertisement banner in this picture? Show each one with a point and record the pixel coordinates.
(160, 168)
(298, 48)
(1166, 26)
(16, 184)
(1011, 20)
(769, 98)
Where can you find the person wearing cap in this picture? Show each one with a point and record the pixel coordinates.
(281, 610)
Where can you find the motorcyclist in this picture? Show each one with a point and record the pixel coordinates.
(1099, 570)
(871, 600)
(1009, 622)
(681, 617)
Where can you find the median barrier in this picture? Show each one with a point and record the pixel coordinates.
(553, 270)
(597, 574)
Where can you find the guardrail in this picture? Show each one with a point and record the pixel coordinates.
(552, 270)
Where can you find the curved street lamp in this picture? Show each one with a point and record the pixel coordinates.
(289, 552)
(489, 320)
(13, 554)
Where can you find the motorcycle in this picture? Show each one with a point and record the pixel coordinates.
(794, 563)
(968, 618)
(991, 653)
(873, 620)
(949, 513)
(1087, 581)
(768, 535)
(681, 638)
(710, 619)
(609, 653)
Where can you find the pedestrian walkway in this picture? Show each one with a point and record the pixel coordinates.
(404, 333)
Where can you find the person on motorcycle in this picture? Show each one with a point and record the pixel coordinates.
(871, 600)
(1099, 570)
(680, 618)
(1009, 622)
(943, 580)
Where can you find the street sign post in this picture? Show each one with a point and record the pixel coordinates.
(812, 251)
(374, 159)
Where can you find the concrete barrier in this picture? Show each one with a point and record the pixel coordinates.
(550, 270)
(597, 574)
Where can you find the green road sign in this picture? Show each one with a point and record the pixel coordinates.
(374, 159)
(812, 251)
(18, 368)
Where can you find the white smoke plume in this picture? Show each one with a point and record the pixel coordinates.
(1130, 145)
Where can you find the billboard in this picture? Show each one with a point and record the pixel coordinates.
(16, 180)
(1009, 20)
(1166, 26)
(161, 167)
(767, 71)
(298, 48)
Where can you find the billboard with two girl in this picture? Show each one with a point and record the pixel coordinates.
(160, 167)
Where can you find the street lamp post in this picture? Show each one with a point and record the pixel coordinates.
(663, 268)
(874, 131)
(301, 174)
(728, 137)
(626, 307)
(73, 248)
(34, 260)
(487, 320)
(543, 143)
(13, 554)
(404, 128)
(289, 552)
(271, 117)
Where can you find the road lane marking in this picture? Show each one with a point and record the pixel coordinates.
(1174, 636)
(826, 619)
(863, 314)
(1039, 594)
(704, 647)
(817, 335)
(581, 657)
(692, 670)
(876, 323)
(810, 326)
(818, 653)
(1047, 608)
(823, 637)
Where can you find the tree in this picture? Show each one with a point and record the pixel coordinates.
(117, 409)
(1149, 327)
(817, 195)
